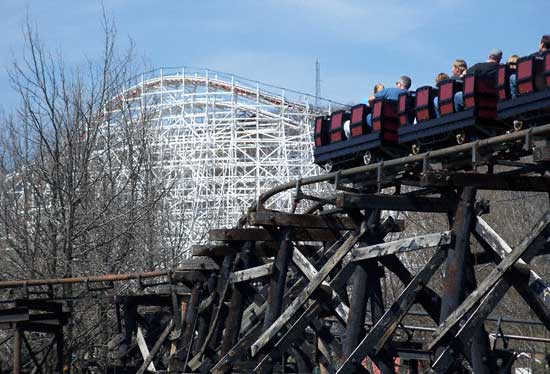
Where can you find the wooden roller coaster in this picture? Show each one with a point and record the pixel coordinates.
(303, 292)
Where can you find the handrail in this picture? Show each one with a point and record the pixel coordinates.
(85, 279)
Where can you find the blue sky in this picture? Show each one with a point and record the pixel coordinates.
(358, 43)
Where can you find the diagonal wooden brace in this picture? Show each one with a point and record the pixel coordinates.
(300, 300)
(534, 289)
(384, 328)
(493, 284)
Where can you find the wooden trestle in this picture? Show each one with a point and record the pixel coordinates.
(291, 292)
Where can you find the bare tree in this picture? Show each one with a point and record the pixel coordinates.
(79, 194)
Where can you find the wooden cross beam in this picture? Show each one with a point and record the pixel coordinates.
(305, 318)
(385, 327)
(251, 328)
(401, 246)
(291, 335)
(394, 202)
(533, 289)
(487, 181)
(251, 334)
(200, 263)
(251, 273)
(493, 285)
(300, 300)
(310, 272)
(427, 297)
(310, 221)
(295, 330)
(251, 315)
(149, 359)
(262, 235)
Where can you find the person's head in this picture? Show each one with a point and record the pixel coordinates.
(404, 82)
(544, 44)
(378, 87)
(441, 77)
(512, 62)
(495, 55)
(458, 67)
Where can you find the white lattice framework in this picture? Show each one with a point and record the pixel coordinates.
(221, 140)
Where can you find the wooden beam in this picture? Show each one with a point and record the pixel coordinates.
(385, 327)
(460, 278)
(17, 351)
(45, 306)
(383, 360)
(257, 234)
(394, 202)
(14, 315)
(251, 333)
(290, 336)
(144, 349)
(494, 282)
(541, 154)
(251, 325)
(428, 298)
(300, 300)
(310, 272)
(251, 273)
(235, 314)
(201, 263)
(311, 221)
(531, 290)
(487, 181)
(261, 249)
(251, 315)
(401, 246)
(277, 281)
(355, 325)
(158, 344)
(306, 317)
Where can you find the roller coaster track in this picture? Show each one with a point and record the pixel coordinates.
(253, 90)
(291, 289)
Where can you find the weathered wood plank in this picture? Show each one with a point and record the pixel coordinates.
(536, 239)
(200, 263)
(258, 234)
(290, 336)
(261, 249)
(394, 202)
(310, 272)
(428, 298)
(305, 318)
(311, 221)
(277, 281)
(460, 279)
(251, 333)
(385, 327)
(534, 288)
(299, 301)
(238, 294)
(213, 250)
(401, 246)
(487, 181)
(251, 273)
(355, 325)
(251, 315)
(144, 349)
(156, 348)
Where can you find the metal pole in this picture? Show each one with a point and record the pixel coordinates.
(95, 278)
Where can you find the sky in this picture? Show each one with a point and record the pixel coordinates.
(358, 43)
